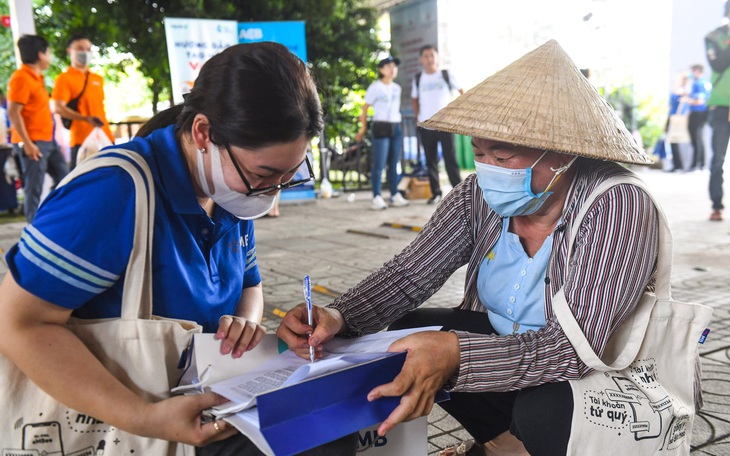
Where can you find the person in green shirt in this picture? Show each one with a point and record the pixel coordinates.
(717, 45)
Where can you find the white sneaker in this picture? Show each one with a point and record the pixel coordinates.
(378, 204)
(397, 200)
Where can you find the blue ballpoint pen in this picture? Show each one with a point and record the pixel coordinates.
(308, 299)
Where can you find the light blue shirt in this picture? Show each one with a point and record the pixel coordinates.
(511, 285)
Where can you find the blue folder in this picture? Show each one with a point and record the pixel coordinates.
(316, 411)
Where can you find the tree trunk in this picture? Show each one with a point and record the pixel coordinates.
(155, 98)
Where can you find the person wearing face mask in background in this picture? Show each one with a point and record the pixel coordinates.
(543, 139)
(218, 160)
(79, 80)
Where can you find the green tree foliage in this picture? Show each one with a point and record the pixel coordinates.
(642, 114)
(341, 41)
(7, 50)
(341, 48)
(129, 26)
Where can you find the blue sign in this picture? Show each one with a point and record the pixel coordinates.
(290, 34)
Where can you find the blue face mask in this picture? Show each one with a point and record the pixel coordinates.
(509, 191)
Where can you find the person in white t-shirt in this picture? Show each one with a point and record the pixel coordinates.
(386, 132)
(431, 90)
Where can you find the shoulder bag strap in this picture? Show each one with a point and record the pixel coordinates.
(639, 319)
(445, 75)
(137, 292)
(83, 89)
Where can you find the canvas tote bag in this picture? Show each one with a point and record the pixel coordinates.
(641, 398)
(678, 130)
(141, 350)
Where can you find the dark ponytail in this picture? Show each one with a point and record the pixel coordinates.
(253, 94)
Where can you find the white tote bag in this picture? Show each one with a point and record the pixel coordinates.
(641, 398)
(678, 129)
(141, 350)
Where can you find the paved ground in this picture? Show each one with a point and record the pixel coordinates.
(339, 243)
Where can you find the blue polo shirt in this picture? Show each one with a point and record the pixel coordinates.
(76, 251)
(700, 91)
(511, 285)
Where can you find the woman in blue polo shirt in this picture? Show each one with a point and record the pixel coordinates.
(218, 161)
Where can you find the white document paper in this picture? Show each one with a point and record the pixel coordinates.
(284, 370)
(208, 361)
(264, 369)
(288, 368)
(372, 343)
(247, 422)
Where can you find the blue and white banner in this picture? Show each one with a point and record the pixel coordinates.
(190, 43)
(289, 33)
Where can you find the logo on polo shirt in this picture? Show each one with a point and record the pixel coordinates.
(241, 243)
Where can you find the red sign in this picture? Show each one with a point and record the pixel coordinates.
(5, 19)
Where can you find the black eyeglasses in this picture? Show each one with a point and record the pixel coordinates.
(260, 191)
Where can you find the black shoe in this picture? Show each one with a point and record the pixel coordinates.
(435, 199)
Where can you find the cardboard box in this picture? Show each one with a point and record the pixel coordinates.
(418, 188)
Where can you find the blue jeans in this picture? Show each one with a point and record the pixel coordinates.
(718, 118)
(51, 162)
(387, 150)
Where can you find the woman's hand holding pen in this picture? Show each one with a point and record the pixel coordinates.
(238, 335)
(295, 331)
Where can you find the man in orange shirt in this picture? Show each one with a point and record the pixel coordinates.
(90, 111)
(32, 124)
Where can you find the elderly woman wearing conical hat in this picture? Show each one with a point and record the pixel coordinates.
(543, 140)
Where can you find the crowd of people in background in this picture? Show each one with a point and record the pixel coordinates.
(78, 97)
(431, 90)
(688, 98)
(703, 102)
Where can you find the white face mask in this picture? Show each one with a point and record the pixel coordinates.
(238, 204)
(82, 58)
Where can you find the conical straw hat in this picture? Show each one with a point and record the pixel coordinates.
(541, 101)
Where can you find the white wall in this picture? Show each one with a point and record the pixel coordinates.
(691, 21)
(622, 41)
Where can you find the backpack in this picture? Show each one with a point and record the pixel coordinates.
(444, 73)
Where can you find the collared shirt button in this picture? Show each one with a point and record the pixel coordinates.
(523, 273)
(517, 286)
(205, 232)
(511, 299)
(529, 260)
(509, 311)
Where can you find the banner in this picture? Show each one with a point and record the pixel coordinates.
(289, 33)
(190, 43)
